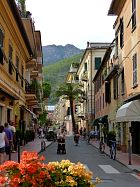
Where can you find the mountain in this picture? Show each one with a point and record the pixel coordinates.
(56, 73)
(54, 53)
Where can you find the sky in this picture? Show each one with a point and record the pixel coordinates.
(74, 22)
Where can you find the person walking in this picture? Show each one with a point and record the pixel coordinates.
(9, 135)
(76, 138)
(3, 139)
(91, 135)
(13, 129)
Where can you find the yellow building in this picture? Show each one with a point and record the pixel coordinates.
(88, 67)
(15, 51)
(20, 66)
(127, 53)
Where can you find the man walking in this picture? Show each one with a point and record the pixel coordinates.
(9, 135)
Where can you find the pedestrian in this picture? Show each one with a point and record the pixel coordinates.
(13, 129)
(91, 135)
(81, 131)
(84, 134)
(3, 139)
(9, 135)
(76, 138)
(96, 134)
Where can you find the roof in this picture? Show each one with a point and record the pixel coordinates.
(94, 46)
(105, 58)
(116, 7)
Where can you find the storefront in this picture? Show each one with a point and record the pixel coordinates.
(129, 115)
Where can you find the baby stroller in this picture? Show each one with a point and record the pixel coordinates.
(61, 145)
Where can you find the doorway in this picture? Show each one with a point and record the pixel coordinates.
(135, 131)
(8, 114)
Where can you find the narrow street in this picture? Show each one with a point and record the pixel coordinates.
(112, 173)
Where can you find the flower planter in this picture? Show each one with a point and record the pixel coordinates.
(53, 174)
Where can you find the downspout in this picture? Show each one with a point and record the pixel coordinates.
(91, 118)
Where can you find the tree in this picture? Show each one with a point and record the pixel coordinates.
(43, 117)
(46, 89)
(71, 92)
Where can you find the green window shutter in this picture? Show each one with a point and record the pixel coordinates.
(97, 62)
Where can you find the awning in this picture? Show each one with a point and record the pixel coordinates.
(32, 113)
(101, 120)
(129, 112)
(95, 122)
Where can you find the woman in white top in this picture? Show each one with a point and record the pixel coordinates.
(3, 139)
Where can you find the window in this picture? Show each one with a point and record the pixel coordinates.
(107, 92)
(97, 62)
(17, 68)
(22, 72)
(122, 82)
(85, 66)
(134, 59)
(1, 45)
(121, 33)
(115, 87)
(68, 111)
(100, 103)
(76, 77)
(116, 46)
(1, 38)
(133, 14)
(10, 59)
(103, 100)
(0, 114)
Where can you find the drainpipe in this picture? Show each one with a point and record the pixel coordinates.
(91, 119)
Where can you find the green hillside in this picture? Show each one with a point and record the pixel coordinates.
(56, 73)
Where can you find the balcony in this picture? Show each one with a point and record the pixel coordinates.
(30, 93)
(40, 77)
(85, 76)
(113, 71)
(32, 102)
(31, 64)
(34, 74)
(73, 67)
(84, 96)
(39, 66)
(81, 84)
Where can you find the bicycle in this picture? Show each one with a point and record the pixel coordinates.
(113, 150)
